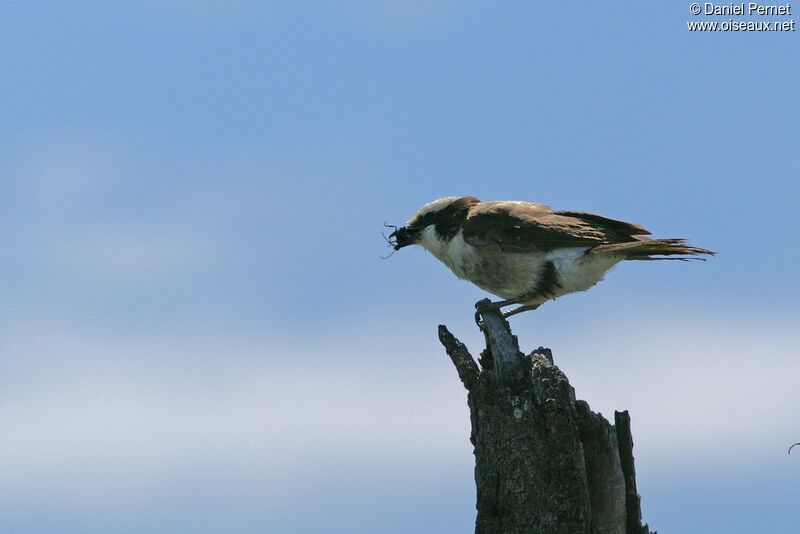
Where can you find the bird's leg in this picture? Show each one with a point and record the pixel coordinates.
(520, 309)
(486, 305)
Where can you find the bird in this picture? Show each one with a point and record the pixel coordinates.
(526, 253)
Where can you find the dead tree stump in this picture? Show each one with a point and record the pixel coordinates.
(544, 462)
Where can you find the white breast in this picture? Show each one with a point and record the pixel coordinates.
(502, 274)
(511, 275)
(455, 253)
(578, 271)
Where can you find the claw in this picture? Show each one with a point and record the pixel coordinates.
(481, 307)
(485, 305)
(478, 320)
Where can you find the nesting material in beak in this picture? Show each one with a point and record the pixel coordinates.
(404, 236)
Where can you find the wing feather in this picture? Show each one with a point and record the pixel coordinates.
(527, 227)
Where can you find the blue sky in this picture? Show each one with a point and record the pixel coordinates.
(199, 335)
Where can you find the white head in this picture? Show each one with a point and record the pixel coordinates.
(434, 223)
(430, 209)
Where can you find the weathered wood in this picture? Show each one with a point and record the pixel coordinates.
(544, 462)
(622, 422)
(604, 474)
(466, 367)
(504, 349)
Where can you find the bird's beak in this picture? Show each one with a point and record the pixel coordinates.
(404, 236)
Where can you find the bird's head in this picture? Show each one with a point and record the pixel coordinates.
(439, 220)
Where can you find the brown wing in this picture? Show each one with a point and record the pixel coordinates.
(610, 224)
(527, 227)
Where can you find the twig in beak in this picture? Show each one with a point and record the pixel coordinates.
(389, 241)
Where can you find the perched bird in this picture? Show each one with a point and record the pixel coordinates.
(527, 253)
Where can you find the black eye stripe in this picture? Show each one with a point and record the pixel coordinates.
(446, 220)
(449, 219)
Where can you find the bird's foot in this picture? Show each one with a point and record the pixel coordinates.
(484, 306)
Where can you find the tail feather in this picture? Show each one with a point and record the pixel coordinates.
(652, 249)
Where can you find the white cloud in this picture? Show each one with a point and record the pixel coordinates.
(701, 391)
(111, 414)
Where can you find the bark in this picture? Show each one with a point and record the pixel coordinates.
(544, 462)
